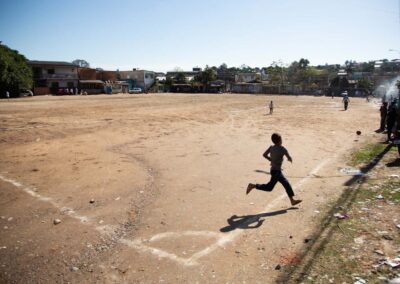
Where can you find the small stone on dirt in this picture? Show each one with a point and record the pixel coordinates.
(387, 237)
(91, 201)
(359, 280)
(74, 268)
(278, 267)
(377, 251)
(359, 240)
(56, 221)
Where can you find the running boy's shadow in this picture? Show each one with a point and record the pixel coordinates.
(250, 221)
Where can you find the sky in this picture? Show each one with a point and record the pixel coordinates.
(162, 35)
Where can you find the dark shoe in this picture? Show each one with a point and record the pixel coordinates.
(295, 202)
(250, 187)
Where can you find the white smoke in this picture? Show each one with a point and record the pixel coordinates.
(388, 90)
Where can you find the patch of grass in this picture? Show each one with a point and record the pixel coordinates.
(367, 153)
(342, 257)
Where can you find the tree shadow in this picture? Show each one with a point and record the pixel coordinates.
(368, 167)
(322, 236)
(250, 221)
(395, 163)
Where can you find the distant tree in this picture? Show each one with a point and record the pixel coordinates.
(367, 66)
(168, 82)
(364, 83)
(180, 78)
(177, 69)
(277, 72)
(350, 66)
(245, 68)
(81, 63)
(303, 63)
(206, 76)
(15, 73)
(223, 67)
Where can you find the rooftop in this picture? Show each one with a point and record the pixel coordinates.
(58, 63)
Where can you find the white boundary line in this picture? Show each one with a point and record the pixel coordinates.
(141, 244)
(31, 192)
(222, 240)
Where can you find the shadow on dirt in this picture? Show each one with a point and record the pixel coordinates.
(297, 274)
(395, 163)
(251, 221)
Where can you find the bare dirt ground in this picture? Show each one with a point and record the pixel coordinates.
(167, 174)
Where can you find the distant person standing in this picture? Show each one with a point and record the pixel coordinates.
(383, 111)
(346, 101)
(391, 120)
(271, 107)
(8, 95)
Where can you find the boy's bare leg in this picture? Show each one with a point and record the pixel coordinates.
(294, 201)
(250, 187)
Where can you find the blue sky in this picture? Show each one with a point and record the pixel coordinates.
(161, 35)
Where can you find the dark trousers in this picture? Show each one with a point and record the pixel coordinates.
(389, 130)
(383, 123)
(276, 175)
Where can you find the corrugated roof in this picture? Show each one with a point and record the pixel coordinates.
(59, 63)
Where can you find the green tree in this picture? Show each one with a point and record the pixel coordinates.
(15, 73)
(303, 63)
(180, 78)
(223, 67)
(364, 83)
(206, 76)
(168, 82)
(350, 66)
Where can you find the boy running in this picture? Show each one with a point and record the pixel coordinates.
(275, 154)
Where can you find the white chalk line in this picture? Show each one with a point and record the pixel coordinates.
(222, 238)
(31, 191)
(139, 244)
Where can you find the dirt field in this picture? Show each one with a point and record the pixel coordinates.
(167, 175)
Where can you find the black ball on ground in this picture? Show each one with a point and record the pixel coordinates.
(358, 132)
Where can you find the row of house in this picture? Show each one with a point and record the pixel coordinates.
(53, 77)
(57, 77)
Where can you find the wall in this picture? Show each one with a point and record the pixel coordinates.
(41, 91)
(106, 76)
(87, 74)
